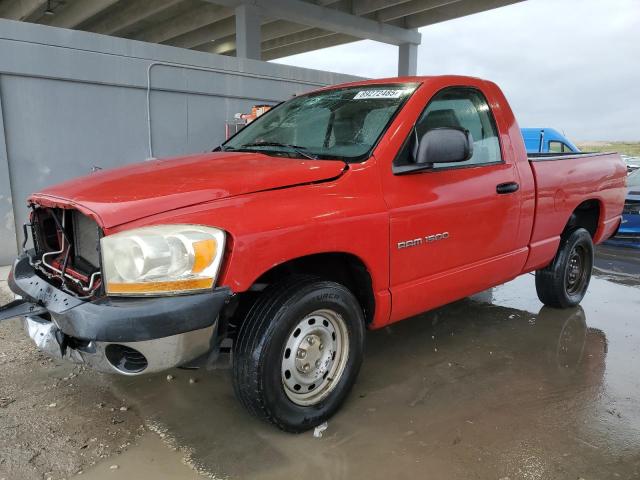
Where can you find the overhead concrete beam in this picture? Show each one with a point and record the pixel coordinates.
(73, 14)
(131, 13)
(410, 8)
(227, 45)
(330, 19)
(362, 7)
(270, 31)
(20, 9)
(301, 37)
(189, 21)
(279, 34)
(314, 44)
(208, 33)
(454, 10)
(195, 28)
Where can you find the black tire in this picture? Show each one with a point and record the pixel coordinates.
(564, 282)
(258, 369)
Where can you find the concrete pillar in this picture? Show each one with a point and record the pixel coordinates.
(407, 59)
(248, 35)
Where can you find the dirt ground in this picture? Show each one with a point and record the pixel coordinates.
(55, 419)
(495, 387)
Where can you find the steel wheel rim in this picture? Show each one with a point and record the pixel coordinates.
(576, 274)
(314, 357)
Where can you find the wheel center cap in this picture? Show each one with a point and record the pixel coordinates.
(309, 354)
(314, 357)
(574, 269)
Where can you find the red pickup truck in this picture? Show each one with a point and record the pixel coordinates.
(348, 208)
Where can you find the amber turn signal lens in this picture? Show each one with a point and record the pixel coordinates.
(151, 288)
(204, 253)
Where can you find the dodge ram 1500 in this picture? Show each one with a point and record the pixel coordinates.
(344, 209)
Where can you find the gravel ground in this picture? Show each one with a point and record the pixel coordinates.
(55, 419)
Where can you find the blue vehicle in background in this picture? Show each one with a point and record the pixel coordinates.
(629, 231)
(546, 140)
(550, 141)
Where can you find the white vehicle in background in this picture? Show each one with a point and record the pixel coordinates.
(633, 163)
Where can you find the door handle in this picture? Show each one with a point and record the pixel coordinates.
(509, 187)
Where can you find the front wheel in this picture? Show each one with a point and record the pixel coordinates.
(298, 352)
(564, 282)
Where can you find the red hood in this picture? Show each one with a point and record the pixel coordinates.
(129, 193)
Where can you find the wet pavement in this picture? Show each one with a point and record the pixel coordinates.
(492, 387)
(149, 459)
(619, 264)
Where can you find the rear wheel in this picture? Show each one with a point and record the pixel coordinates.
(564, 282)
(298, 352)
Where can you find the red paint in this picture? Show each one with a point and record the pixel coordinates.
(365, 210)
(128, 193)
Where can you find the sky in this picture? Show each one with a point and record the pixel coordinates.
(573, 65)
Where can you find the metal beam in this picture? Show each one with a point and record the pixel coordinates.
(298, 11)
(20, 9)
(73, 14)
(248, 32)
(131, 13)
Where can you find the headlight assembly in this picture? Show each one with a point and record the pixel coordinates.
(162, 260)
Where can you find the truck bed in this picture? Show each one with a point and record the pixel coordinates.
(566, 180)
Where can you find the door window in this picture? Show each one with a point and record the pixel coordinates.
(558, 147)
(458, 108)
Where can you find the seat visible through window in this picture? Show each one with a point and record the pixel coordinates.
(441, 118)
(458, 107)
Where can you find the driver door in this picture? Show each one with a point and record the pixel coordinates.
(453, 227)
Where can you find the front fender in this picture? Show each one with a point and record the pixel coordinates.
(267, 229)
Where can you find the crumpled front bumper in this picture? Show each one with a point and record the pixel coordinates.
(135, 358)
(117, 335)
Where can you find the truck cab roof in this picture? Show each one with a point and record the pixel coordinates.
(546, 140)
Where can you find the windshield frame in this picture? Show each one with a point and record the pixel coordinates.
(347, 159)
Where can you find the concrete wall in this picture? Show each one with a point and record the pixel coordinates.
(72, 100)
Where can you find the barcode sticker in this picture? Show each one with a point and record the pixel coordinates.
(367, 94)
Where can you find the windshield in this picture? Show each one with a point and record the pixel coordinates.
(633, 180)
(343, 123)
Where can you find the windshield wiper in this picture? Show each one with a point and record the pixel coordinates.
(297, 148)
(223, 148)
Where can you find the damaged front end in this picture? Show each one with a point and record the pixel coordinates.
(68, 315)
(66, 249)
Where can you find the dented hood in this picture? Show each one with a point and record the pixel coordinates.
(129, 193)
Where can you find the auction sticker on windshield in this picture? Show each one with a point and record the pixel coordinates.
(366, 94)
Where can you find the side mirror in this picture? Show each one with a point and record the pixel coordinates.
(444, 145)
